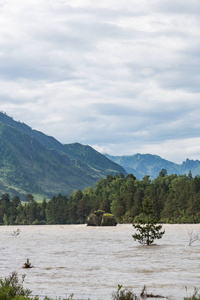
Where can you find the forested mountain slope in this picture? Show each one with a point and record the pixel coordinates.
(28, 167)
(92, 158)
(32, 162)
(76, 151)
(47, 141)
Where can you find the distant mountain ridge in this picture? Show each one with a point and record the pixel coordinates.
(147, 164)
(32, 162)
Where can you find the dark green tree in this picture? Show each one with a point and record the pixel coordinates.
(29, 198)
(163, 173)
(147, 226)
(16, 201)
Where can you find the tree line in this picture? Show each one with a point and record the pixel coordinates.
(175, 198)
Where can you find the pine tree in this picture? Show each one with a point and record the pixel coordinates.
(147, 226)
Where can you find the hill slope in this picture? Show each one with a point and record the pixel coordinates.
(92, 158)
(32, 162)
(29, 167)
(76, 151)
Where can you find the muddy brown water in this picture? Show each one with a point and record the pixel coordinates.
(91, 261)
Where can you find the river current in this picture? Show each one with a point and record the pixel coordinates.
(91, 261)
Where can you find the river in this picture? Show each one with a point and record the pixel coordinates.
(91, 261)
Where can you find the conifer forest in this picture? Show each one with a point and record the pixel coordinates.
(175, 198)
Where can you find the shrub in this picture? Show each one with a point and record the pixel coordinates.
(124, 294)
(36, 222)
(108, 220)
(12, 288)
(99, 213)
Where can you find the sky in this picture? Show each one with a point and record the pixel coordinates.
(120, 76)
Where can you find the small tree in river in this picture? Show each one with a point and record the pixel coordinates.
(147, 226)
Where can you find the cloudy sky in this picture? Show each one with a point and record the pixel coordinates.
(121, 76)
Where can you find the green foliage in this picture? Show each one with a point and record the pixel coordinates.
(147, 228)
(12, 288)
(175, 199)
(163, 173)
(108, 220)
(99, 213)
(124, 294)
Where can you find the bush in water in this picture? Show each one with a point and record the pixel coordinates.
(124, 294)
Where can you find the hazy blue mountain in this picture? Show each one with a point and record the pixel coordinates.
(148, 164)
(32, 162)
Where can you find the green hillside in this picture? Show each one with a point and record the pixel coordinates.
(47, 141)
(32, 162)
(83, 153)
(28, 167)
(92, 158)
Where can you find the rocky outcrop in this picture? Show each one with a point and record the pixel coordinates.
(100, 218)
(108, 220)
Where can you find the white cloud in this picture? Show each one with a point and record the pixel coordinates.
(120, 76)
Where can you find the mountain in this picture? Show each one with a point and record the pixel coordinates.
(92, 158)
(80, 153)
(147, 164)
(32, 162)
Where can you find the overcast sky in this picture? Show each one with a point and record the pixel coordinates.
(120, 76)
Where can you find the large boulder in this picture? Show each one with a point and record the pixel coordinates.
(95, 218)
(108, 220)
(100, 218)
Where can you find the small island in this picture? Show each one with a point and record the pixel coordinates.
(100, 218)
